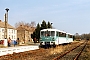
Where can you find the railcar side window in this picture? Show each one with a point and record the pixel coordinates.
(57, 33)
(70, 36)
(52, 33)
(62, 35)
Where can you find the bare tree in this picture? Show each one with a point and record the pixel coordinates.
(19, 24)
(32, 24)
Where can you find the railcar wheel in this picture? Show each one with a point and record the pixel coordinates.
(54, 46)
(45, 46)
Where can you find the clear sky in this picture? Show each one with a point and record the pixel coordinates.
(72, 16)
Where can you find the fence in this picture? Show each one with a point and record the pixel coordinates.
(11, 50)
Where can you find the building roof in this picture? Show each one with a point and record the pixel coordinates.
(2, 25)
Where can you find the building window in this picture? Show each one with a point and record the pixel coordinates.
(2, 36)
(9, 35)
(12, 31)
(3, 30)
(12, 36)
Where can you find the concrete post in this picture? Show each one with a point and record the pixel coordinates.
(5, 42)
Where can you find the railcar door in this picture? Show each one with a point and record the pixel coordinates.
(67, 38)
(57, 36)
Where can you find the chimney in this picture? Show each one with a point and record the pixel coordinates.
(21, 25)
(0, 20)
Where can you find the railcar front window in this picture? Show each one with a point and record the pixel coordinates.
(52, 33)
(47, 33)
(42, 33)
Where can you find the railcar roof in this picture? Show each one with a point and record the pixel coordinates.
(69, 34)
(56, 30)
(53, 30)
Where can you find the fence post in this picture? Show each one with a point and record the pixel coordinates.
(5, 42)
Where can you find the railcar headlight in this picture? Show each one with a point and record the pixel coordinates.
(53, 39)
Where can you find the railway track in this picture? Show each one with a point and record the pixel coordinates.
(41, 54)
(72, 54)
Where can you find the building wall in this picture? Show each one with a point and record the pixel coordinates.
(24, 36)
(28, 36)
(20, 35)
(12, 33)
(1, 33)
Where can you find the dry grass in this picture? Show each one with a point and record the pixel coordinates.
(57, 50)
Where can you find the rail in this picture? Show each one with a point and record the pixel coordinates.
(76, 57)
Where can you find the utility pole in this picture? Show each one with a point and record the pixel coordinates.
(6, 22)
(6, 27)
(5, 33)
